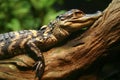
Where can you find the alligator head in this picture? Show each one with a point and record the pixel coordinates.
(76, 19)
(69, 22)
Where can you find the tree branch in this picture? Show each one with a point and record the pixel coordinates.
(75, 56)
(64, 60)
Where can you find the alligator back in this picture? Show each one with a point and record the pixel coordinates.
(13, 43)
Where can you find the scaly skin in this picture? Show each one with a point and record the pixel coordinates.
(32, 42)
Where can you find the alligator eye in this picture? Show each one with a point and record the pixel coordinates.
(79, 14)
(69, 16)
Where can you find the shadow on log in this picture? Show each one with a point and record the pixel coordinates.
(71, 60)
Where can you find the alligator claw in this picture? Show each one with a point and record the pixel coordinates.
(39, 69)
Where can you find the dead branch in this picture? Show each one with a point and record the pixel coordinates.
(63, 61)
(73, 57)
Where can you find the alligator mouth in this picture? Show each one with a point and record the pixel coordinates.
(76, 22)
(85, 18)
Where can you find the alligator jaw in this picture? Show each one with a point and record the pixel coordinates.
(87, 17)
(77, 23)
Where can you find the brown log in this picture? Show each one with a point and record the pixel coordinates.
(63, 62)
(79, 53)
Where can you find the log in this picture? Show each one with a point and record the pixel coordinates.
(72, 59)
(78, 54)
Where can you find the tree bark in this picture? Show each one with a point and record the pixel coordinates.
(79, 53)
(65, 61)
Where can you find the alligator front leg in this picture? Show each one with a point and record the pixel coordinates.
(40, 65)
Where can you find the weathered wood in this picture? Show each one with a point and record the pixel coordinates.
(17, 68)
(80, 53)
(73, 57)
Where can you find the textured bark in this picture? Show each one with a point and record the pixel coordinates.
(79, 53)
(74, 56)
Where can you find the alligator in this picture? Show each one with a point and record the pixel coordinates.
(33, 42)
